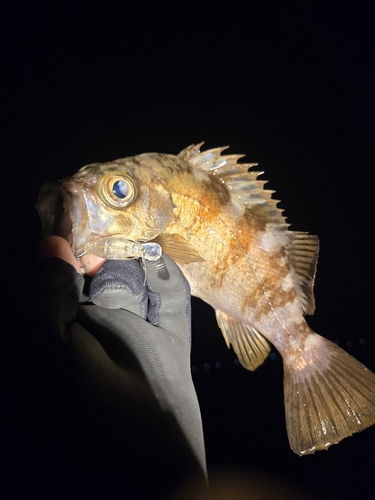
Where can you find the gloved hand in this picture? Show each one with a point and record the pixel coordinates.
(128, 346)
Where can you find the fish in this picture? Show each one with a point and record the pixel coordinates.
(212, 215)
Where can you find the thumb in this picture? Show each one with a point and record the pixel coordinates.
(169, 295)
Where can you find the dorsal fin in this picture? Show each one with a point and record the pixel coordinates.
(302, 249)
(242, 183)
(249, 345)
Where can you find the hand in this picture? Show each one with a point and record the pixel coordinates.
(56, 246)
(129, 349)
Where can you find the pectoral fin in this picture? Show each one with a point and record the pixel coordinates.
(178, 248)
(249, 345)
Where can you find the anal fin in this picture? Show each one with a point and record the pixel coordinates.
(249, 345)
(328, 396)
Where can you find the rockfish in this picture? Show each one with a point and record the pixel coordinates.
(213, 217)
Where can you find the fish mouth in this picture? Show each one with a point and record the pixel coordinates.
(61, 209)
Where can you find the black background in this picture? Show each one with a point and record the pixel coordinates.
(291, 84)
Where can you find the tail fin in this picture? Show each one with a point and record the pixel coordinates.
(328, 396)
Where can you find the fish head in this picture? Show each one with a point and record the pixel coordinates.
(127, 197)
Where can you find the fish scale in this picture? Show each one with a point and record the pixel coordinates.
(215, 219)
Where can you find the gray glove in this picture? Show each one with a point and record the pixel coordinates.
(129, 348)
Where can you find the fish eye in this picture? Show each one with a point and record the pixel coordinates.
(117, 189)
(120, 189)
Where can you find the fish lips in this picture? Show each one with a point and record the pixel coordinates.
(62, 212)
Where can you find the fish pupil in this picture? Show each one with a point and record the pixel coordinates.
(120, 189)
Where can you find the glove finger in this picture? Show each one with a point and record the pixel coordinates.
(169, 296)
(120, 285)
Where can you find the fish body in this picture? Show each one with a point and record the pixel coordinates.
(213, 217)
